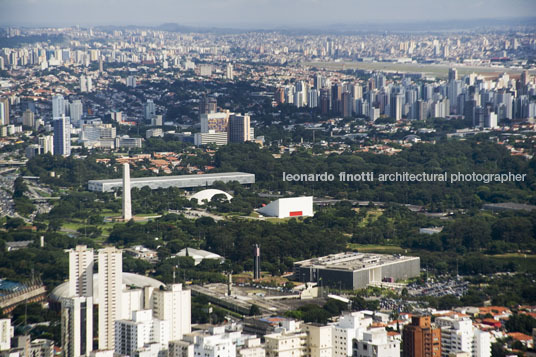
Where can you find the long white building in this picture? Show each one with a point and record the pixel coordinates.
(182, 181)
(289, 207)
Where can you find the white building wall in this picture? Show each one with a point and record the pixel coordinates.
(288, 207)
(6, 333)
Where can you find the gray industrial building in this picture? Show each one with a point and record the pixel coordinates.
(183, 181)
(352, 270)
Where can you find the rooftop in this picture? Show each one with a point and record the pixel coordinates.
(152, 179)
(352, 261)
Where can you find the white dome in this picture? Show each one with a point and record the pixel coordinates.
(206, 195)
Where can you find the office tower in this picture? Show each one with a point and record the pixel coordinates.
(229, 71)
(149, 109)
(28, 118)
(346, 104)
(131, 81)
(207, 105)
(4, 111)
(58, 106)
(336, 98)
(127, 205)
(109, 286)
(312, 101)
(490, 119)
(257, 262)
(62, 136)
(46, 143)
(239, 128)
(318, 81)
(453, 74)
(101, 65)
(6, 333)
(83, 84)
(174, 305)
(421, 339)
(218, 122)
(469, 108)
(77, 309)
(324, 101)
(75, 112)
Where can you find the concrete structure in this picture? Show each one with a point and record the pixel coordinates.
(183, 181)
(198, 255)
(252, 348)
(421, 339)
(256, 262)
(62, 136)
(356, 270)
(127, 203)
(6, 333)
(46, 143)
(109, 285)
(207, 195)
(376, 343)
(173, 304)
(459, 335)
(289, 207)
(180, 349)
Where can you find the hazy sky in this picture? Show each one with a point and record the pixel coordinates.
(253, 13)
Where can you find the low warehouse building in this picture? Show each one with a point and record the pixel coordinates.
(352, 270)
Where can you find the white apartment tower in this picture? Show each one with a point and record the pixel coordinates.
(459, 335)
(349, 327)
(110, 289)
(173, 304)
(58, 106)
(80, 271)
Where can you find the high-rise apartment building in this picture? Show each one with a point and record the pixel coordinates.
(81, 271)
(75, 112)
(4, 111)
(109, 287)
(173, 304)
(229, 71)
(58, 106)
(28, 118)
(421, 339)
(149, 109)
(77, 309)
(62, 136)
(6, 332)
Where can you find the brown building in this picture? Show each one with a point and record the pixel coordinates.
(420, 339)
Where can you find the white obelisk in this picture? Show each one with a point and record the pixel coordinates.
(127, 204)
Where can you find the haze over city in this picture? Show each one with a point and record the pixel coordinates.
(255, 13)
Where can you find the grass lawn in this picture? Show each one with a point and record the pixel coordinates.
(526, 262)
(377, 248)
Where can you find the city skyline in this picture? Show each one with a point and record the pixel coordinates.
(239, 14)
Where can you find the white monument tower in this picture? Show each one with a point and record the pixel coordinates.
(127, 204)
